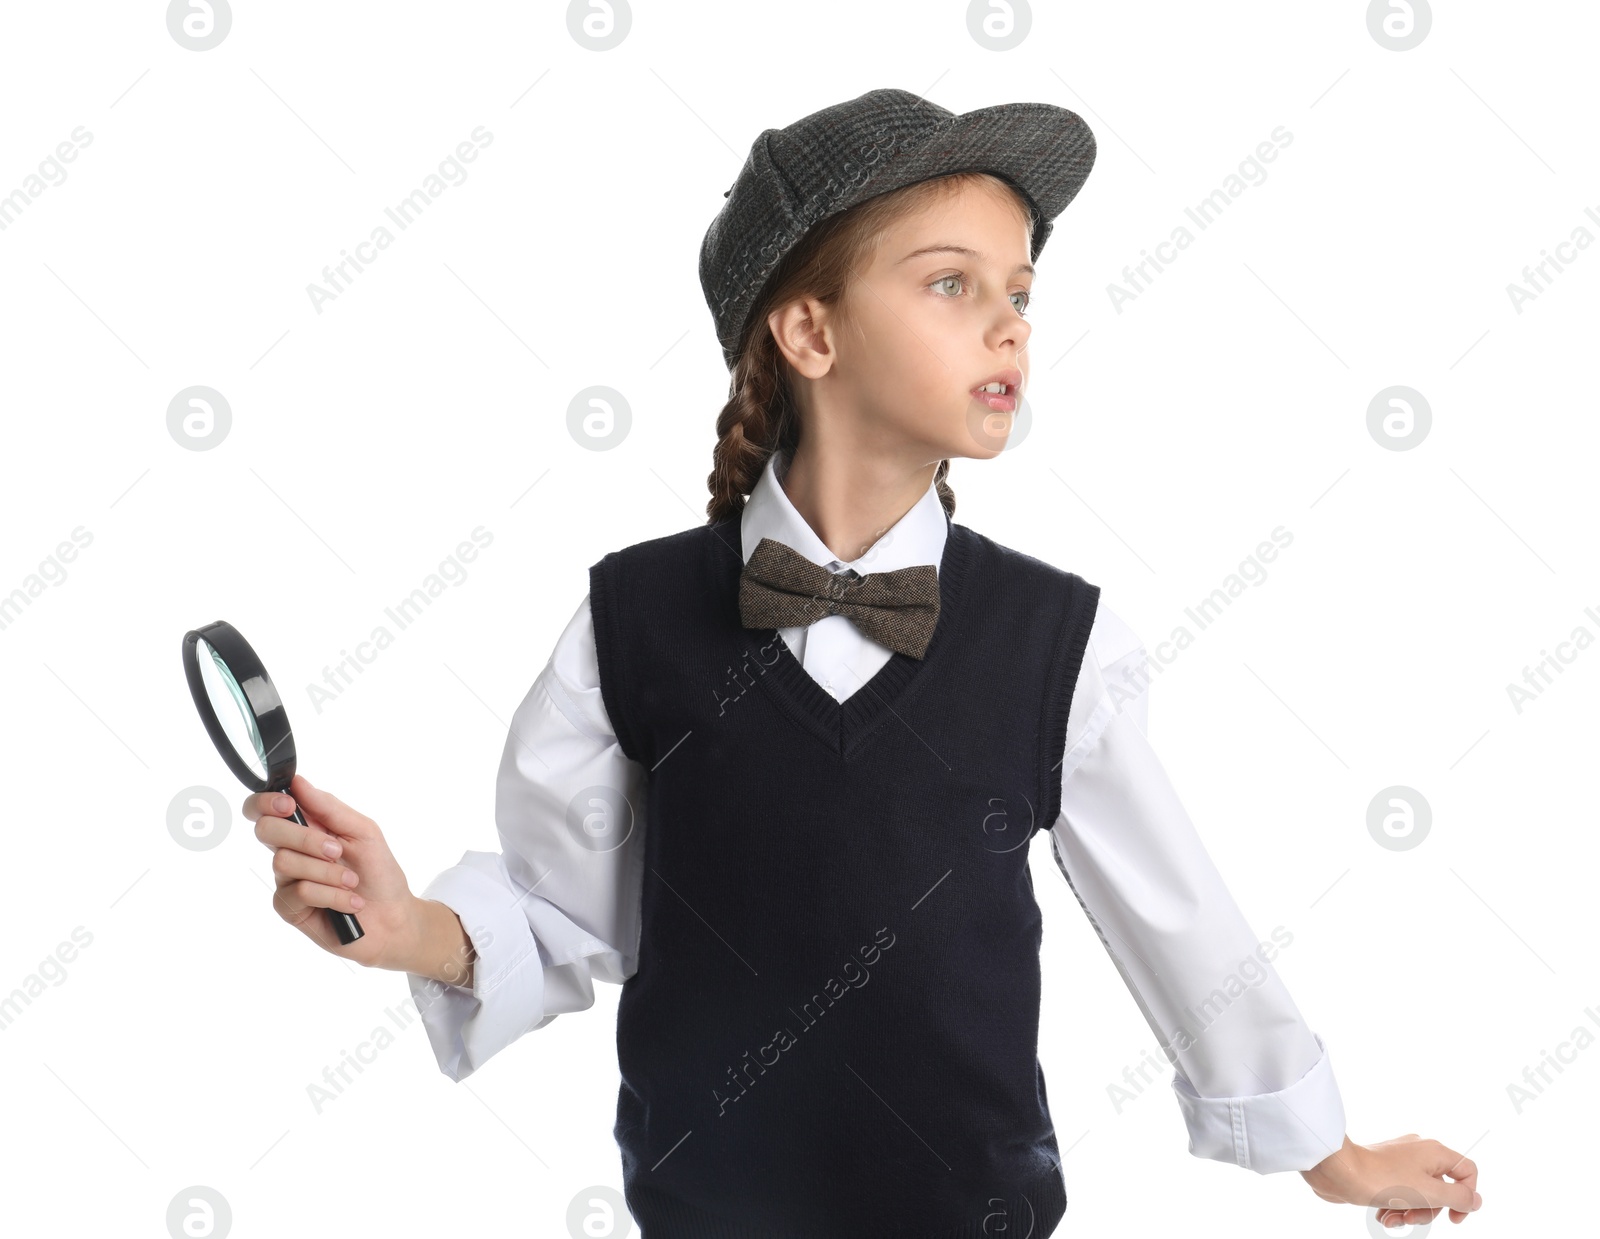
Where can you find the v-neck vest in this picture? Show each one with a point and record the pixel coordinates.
(833, 1025)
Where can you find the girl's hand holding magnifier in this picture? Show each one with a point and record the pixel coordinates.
(340, 860)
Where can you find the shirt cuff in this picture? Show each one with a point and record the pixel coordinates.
(1292, 1129)
(467, 1027)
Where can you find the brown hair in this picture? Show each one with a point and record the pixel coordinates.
(761, 416)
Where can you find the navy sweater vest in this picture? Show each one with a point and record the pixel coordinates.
(833, 1028)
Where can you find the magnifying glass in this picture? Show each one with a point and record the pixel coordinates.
(247, 722)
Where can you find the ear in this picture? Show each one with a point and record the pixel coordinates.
(802, 330)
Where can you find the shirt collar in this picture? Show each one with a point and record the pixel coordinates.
(916, 538)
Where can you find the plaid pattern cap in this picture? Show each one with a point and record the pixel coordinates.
(829, 161)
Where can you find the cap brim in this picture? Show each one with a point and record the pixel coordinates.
(1045, 151)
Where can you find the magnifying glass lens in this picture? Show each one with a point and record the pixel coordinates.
(232, 709)
(241, 710)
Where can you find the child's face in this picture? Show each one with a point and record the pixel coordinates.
(924, 330)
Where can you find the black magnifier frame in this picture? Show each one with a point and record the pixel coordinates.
(271, 720)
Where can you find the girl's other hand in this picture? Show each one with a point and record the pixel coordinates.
(341, 861)
(1393, 1174)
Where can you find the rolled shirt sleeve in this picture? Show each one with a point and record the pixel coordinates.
(1254, 1084)
(1293, 1128)
(467, 1027)
(558, 907)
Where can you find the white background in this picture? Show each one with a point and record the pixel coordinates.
(1168, 439)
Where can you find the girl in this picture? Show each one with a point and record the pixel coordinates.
(779, 776)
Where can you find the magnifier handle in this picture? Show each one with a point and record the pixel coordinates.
(344, 924)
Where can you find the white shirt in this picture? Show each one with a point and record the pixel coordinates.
(548, 916)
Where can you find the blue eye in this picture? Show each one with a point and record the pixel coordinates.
(945, 279)
(1026, 298)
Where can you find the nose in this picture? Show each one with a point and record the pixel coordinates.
(1008, 325)
(1010, 330)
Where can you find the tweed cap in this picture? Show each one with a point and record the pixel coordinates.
(829, 161)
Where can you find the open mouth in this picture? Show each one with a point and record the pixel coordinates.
(998, 397)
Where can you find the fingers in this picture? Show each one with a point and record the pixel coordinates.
(331, 813)
(269, 812)
(1436, 1175)
(259, 804)
(1407, 1217)
(1458, 1167)
(1462, 1195)
(295, 901)
(305, 883)
(305, 858)
(289, 866)
(1439, 1165)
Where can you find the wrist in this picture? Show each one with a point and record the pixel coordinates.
(457, 958)
(1343, 1175)
(408, 942)
(438, 946)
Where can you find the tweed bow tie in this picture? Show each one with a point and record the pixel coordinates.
(781, 588)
